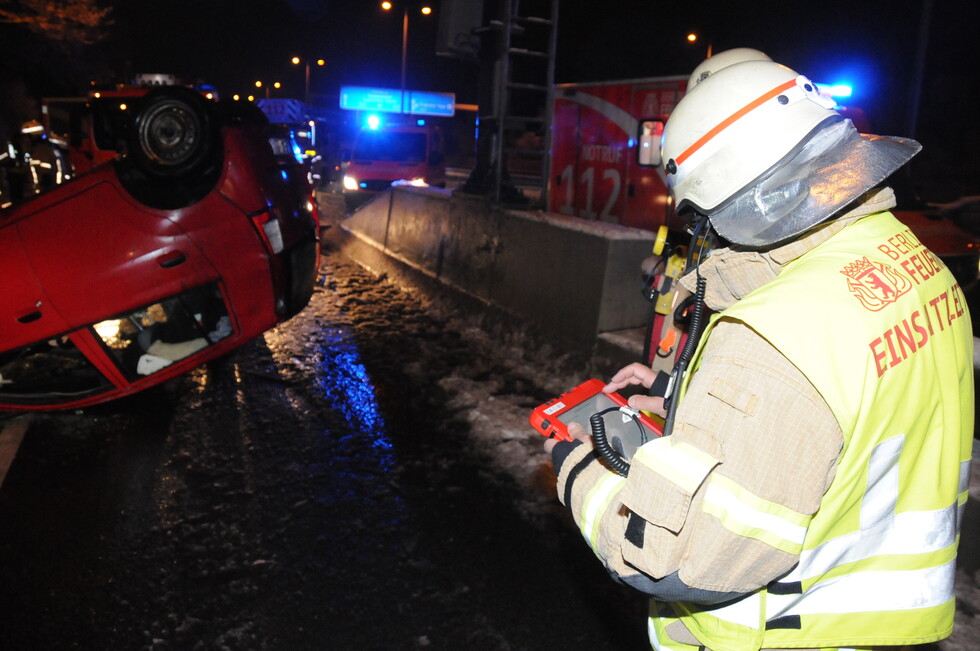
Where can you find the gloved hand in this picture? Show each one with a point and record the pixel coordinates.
(576, 431)
(632, 375)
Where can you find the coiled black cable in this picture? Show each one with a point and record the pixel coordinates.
(601, 443)
(695, 329)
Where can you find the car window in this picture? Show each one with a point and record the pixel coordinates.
(149, 339)
(110, 117)
(53, 368)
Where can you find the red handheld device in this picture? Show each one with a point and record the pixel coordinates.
(630, 428)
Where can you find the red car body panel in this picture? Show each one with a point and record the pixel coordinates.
(87, 252)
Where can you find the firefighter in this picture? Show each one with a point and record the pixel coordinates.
(45, 162)
(809, 490)
(10, 174)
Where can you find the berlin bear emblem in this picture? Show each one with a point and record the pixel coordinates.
(875, 284)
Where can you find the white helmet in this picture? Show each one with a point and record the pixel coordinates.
(722, 60)
(756, 148)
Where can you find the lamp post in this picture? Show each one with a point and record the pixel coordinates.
(296, 61)
(693, 38)
(425, 11)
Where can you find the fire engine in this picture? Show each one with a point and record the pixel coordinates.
(605, 155)
(605, 165)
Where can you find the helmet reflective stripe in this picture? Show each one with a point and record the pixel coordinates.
(787, 93)
(724, 124)
(736, 125)
(595, 504)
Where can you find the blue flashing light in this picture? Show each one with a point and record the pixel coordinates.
(630, 143)
(373, 121)
(420, 122)
(836, 90)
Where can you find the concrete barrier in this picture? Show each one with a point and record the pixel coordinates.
(573, 277)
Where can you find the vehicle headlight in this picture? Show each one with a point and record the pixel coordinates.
(350, 183)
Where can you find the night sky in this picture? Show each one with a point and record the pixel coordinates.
(873, 44)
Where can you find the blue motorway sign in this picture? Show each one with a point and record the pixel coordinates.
(388, 100)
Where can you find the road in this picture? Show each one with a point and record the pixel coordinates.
(362, 477)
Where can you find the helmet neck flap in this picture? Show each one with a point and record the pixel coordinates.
(827, 172)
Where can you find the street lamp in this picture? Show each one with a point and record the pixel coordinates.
(693, 38)
(296, 61)
(268, 89)
(425, 11)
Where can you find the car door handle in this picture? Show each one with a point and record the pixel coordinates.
(172, 259)
(30, 317)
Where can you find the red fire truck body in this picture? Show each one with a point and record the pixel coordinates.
(606, 150)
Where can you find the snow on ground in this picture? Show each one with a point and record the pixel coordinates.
(498, 417)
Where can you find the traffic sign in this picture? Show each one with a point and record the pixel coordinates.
(389, 100)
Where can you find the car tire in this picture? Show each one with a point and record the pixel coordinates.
(174, 132)
(174, 149)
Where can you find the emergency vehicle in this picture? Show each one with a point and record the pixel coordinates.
(387, 153)
(605, 165)
(605, 154)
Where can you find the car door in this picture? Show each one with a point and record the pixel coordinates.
(26, 313)
(99, 252)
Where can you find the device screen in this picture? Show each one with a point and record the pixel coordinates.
(624, 433)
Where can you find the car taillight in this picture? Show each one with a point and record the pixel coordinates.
(313, 210)
(268, 228)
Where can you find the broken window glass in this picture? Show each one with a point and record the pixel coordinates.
(151, 338)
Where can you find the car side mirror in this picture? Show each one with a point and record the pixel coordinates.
(648, 154)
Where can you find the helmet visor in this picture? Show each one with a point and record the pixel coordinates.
(833, 167)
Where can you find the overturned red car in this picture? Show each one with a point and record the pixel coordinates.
(192, 242)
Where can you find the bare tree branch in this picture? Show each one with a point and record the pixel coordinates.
(66, 23)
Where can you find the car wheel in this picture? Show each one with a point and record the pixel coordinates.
(174, 149)
(174, 132)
